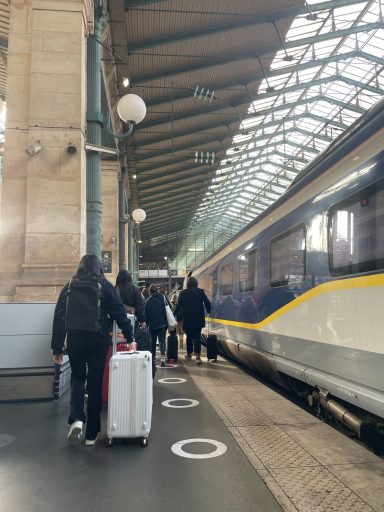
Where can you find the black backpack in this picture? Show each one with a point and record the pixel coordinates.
(83, 306)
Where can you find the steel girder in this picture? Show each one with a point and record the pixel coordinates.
(256, 52)
(268, 17)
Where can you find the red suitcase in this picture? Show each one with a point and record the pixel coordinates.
(121, 347)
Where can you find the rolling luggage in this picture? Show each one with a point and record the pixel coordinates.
(143, 339)
(130, 395)
(172, 347)
(212, 347)
(121, 346)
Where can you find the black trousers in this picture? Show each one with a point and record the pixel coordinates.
(87, 354)
(193, 341)
(160, 334)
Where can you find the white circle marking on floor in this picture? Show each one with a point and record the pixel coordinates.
(172, 380)
(177, 449)
(192, 403)
(167, 365)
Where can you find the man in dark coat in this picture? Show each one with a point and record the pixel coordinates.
(191, 307)
(157, 321)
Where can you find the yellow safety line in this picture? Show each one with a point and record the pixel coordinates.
(332, 286)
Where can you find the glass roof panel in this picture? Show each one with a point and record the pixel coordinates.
(317, 86)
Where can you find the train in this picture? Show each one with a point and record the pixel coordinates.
(298, 294)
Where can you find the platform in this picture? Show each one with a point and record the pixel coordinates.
(261, 453)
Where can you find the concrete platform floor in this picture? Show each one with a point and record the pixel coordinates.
(277, 455)
(308, 465)
(41, 472)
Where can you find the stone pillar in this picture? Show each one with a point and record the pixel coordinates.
(110, 219)
(43, 207)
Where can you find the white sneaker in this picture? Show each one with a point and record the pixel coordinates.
(90, 442)
(75, 431)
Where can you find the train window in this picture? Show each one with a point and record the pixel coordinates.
(288, 257)
(356, 232)
(226, 279)
(206, 283)
(248, 271)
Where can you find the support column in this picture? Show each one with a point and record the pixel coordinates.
(122, 213)
(130, 240)
(43, 196)
(94, 125)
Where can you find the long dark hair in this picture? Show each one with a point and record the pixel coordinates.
(122, 280)
(192, 282)
(89, 269)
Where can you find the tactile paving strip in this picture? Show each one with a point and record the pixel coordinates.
(315, 489)
(298, 481)
(238, 410)
(275, 448)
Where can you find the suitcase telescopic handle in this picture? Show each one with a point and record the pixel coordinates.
(114, 338)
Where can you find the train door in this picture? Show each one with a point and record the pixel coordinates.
(248, 283)
(229, 306)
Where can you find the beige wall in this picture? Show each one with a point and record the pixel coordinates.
(43, 197)
(110, 218)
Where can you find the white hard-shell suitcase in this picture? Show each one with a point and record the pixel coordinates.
(130, 395)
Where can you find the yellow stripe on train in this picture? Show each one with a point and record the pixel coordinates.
(332, 286)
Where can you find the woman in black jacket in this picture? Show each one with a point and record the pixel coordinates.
(87, 349)
(190, 306)
(130, 295)
(156, 318)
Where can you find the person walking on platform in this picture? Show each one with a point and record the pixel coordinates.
(179, 318)
(130, 296)
(145, 290)
(190, 305)
(157, 320)
(84, 312)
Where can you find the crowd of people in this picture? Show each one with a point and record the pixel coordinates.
(82, 327)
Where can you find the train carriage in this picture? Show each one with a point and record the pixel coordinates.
(298, 294)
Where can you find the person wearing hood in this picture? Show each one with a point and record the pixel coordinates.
(130, 295)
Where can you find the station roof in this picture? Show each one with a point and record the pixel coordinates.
(240, 97)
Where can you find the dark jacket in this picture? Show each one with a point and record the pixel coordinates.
(131, 296)
(112, 308)
(191, 306)
(155, 311)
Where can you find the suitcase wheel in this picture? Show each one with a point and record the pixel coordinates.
(110, 442)
(144, 442)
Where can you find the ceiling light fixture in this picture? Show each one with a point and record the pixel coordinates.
(139, 215)
(203, 94)
(208, 157)
(132, 110)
